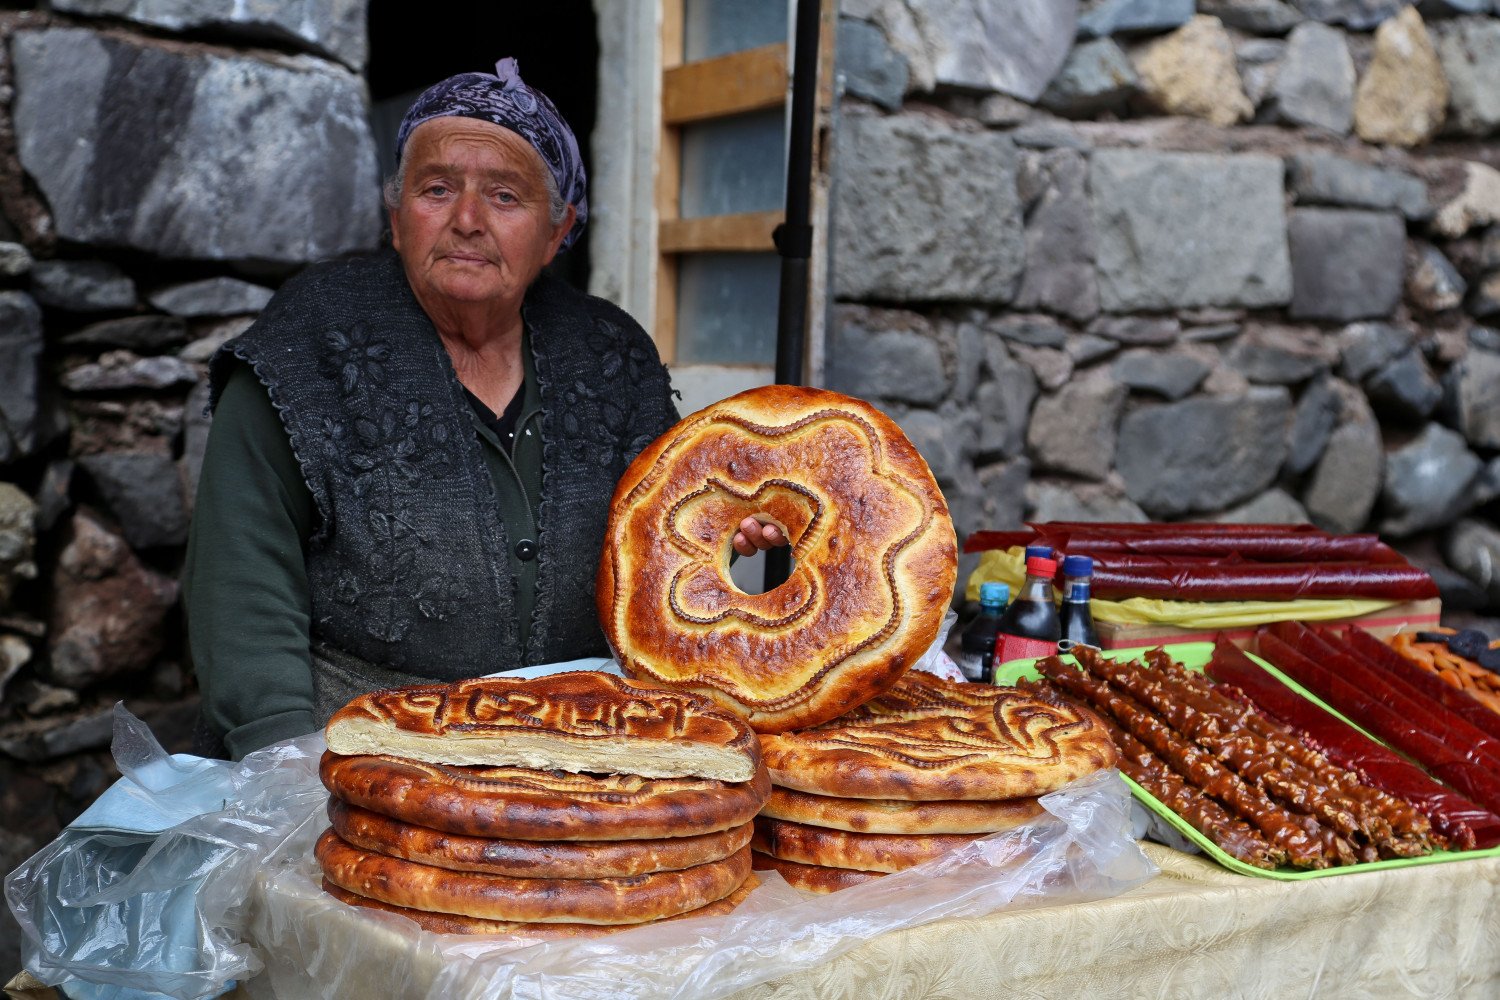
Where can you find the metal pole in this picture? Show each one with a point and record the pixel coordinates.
(794, 235)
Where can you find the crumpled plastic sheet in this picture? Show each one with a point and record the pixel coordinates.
(935, 661)
(144, 894)
(315, 946)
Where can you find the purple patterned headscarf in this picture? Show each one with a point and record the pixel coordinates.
(505, 100)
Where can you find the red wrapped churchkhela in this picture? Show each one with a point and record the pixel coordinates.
(1462, 822)
(1216, 562)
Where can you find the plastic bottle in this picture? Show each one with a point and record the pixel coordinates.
(1075, 620)
(1029, 627)
(977, 641)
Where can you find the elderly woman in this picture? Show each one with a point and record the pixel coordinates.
(413, 453)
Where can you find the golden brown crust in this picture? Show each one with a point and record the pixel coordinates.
(872, 541)
(530, 858)
(581, 720)
(898, 817)
(532, 900)
(453, 923)
(921, 695)
(515, 803)
(871, 852)
(1018, 746)
(812, 878)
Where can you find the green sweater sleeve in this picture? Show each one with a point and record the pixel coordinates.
(245, 588)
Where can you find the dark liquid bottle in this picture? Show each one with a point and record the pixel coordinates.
(1029, 627)
(1075, 619)
(977, 642)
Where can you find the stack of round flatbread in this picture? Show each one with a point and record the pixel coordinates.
(920, 771)
(570, 804)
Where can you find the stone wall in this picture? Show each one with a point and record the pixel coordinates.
(161, 171)
(1233, 260)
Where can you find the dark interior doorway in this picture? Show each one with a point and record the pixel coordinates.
(412, 46)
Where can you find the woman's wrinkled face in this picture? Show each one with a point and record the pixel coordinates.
(473, 222)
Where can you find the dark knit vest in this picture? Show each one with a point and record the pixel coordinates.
(408, 567)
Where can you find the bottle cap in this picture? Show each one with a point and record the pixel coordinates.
(1077, 566)
(1038, 552)
(1037, 566)
(992, 592)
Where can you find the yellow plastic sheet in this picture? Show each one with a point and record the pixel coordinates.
(1009, 567)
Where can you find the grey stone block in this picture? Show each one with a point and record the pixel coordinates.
(1469, 49)
(1060, 243)
(1346, 481)
(1178, 230)
(143, 493)
(1346, 264)
(1035, 331)
(1004, 403)
(1205, 453)
(332, 27)
(964, 242)
(1263, 17)
(1484, 298)
(138, 333)
(21, 346)
(870, 67)
(1141, 331)
(189, 153)
(1097, 76)
(15, 260)
(1325, 179)
(1170, 375)
(220, 296)
(1433, 284)
(1316, 83)
(1015, 49)
(1427, 482)
(1110, 17)
(82, 285)
(1404, 387)
(1073, 430)
(1361, 15)
(886, 355)
(946, 443)
(1473, 548)
(1269, 362)
(1060, 501)
(1086, 348)
(1365, 347)
(1258, 61)
(1317, 414)
(1478, 390)
(1274, 506)
(120, 371)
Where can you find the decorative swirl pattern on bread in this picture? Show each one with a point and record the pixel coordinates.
(872, 545)
(1015, 746)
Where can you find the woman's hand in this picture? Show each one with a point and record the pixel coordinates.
(754, 537)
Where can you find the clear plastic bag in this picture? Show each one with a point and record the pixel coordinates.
(315, 946)
(144, 891)
(935, 660)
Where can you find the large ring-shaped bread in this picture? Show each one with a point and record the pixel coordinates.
(870, 852)
(812, 878)
(872, 545)
(896, 816)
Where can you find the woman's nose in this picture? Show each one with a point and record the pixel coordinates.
(468, 215)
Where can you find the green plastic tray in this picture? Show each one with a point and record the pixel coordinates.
(1194, 656)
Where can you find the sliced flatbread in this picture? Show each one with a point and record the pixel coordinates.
(583, 720)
